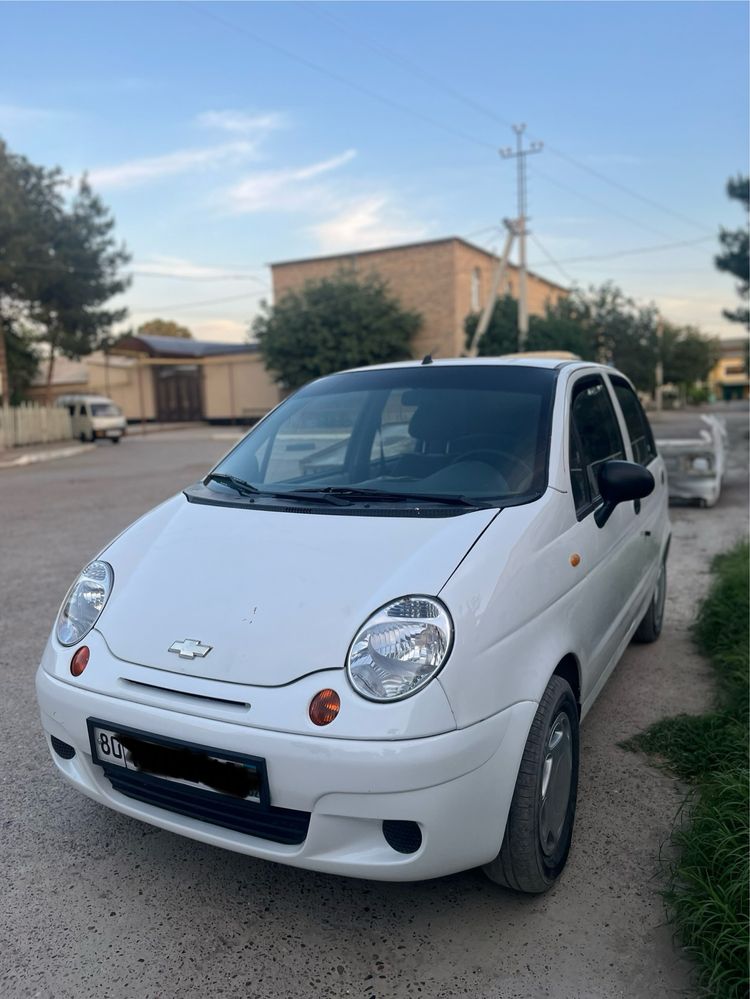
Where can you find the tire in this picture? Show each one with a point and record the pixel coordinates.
(539, 829)
(115, 440)
(650, 627)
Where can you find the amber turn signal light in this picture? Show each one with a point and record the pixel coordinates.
(80, 660)
(324, 707)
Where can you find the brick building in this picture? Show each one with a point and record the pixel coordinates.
(443, 279)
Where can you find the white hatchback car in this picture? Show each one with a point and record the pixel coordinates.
(364, 642)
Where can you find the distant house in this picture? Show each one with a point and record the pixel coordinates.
(164, 379)
(443, 279)
(729, 378)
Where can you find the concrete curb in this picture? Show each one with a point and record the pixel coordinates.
(32, 458)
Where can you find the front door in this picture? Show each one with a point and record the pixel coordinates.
(610, 561)
(177, 388)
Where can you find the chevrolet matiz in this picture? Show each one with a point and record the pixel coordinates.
(364, 642)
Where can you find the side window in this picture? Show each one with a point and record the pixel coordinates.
(594, 438)
(639, 430)
(71, 410)
(81, 410)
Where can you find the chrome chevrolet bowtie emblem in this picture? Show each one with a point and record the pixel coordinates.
(189, 648)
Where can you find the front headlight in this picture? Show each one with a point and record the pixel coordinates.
(84, 603)
(400, 648)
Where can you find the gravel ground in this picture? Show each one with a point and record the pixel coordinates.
(95, 904)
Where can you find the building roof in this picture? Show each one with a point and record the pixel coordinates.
(408, 246)
(173, 346)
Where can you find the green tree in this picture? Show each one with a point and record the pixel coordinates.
(735, 255)
(59, 262)
(22, 360)
(85, 275)
(336, 323)
(565, 325)
(687, 355)
(501, 336)
(165, 327)
(600, 324)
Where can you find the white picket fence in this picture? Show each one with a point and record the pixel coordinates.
(31, 423)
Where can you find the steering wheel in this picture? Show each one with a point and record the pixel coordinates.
(493, 454)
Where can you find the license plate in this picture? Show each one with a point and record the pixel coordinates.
(178, 763)
(113, 433)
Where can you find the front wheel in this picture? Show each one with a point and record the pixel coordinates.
(539, 829)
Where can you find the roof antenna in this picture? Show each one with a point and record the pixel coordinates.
(427, 359)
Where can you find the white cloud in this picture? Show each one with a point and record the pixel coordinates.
(282, 190)
(221, 330)
(17, 114)
(139, 171)
(367, 223)
(242, 123)
(178, 267)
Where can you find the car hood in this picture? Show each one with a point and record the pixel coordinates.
(276, 595)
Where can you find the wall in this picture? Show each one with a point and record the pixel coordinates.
(237, 387)
(469, 259)
(420, 276)
(433, 278)
(125, 382)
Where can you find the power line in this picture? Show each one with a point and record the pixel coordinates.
(599, 204)
(636, 251)
(491, 113)
(206, 301)
(340, 78)
(555, 263)
(218, 278)
(406, 63)
(625, 189)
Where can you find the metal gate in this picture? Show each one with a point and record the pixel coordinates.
(178, 392)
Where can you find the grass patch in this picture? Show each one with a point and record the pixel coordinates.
(708, 878)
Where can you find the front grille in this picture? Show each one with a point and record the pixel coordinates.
(62, 748)
(281, 825)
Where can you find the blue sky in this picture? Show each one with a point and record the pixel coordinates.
(225, 136)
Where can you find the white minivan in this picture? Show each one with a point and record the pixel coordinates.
(364, 642)
(94, 416)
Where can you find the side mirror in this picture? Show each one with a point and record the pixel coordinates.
(620, 481)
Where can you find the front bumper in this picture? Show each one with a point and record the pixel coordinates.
(456, 786)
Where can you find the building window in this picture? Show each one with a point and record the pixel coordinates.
(476, 289)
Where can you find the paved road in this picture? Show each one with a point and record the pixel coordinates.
(94, 904)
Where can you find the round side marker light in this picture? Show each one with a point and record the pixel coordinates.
(575, 559)
(324, 707)
(80, 660)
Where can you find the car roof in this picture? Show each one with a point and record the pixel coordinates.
(514, 360)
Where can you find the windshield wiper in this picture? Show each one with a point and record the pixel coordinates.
(356, 492)
(248, 489)
(239, 485)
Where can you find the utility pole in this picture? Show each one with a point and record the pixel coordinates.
(520, 155)
(497, 279)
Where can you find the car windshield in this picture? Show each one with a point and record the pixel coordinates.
(444, 431)
(105, 409)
